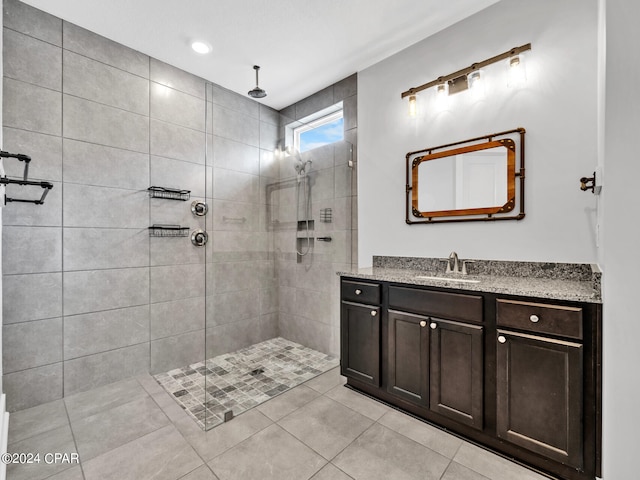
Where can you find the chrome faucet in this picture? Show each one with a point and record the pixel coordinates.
(456, 268)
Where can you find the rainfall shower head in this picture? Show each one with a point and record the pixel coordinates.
(257, 92)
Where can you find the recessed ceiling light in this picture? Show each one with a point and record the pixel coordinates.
(201, 47)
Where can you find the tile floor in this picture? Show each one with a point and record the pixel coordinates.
(243, 379)
(319, 430)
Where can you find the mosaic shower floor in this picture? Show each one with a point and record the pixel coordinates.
(243, 379)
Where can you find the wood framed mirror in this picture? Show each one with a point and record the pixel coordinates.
(471, 180)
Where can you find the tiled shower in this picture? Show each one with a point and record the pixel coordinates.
(89, 297)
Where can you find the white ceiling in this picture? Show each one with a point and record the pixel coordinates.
(301, 45)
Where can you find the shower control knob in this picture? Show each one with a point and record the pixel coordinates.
(199, 238)
(502, 339)
(374, 313)
(358, 291)
(199, 208)
(423, 323)
(534, 318)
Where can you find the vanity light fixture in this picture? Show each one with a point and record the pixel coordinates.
(412, 106)
(467, 77)
(517, 74)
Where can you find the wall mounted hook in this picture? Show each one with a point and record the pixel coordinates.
(589, 183)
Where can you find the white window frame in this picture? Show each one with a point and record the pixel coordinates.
(311, 122)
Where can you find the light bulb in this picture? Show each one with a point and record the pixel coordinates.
(476, 83)
(442, 92)
(517, 73)
(412, 106)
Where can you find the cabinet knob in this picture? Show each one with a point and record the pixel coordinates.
(374, 313)
(423, 323)
(534, 318)
(502, 339)
(433, 325)
(358, 291)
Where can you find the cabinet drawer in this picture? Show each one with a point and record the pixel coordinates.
(540, 317)
(361, 292)
(452, 306)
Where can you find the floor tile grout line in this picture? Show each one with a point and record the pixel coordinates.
(73, 436)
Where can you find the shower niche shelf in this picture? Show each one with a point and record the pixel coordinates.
(157, 230)
(169, 193)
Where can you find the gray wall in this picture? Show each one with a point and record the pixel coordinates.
(309, 286)
(89, 298)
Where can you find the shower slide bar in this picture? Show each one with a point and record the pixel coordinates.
(46, 186)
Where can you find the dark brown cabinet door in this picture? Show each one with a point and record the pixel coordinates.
(539, 395)
(360, 343)
(456, 371)
(409, 357)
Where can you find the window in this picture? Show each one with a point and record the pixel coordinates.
(321, 131)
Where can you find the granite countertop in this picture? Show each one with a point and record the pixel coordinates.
(557, 281)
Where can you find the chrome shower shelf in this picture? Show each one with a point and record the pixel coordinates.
(157, 230)
(169, 193)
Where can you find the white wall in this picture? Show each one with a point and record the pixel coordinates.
(558, 107)
(621, 238)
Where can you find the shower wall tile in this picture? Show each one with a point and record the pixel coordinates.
(269, 300)
(93, 80)
(177, 107)
(343, 181)
(232, 276)
(166, 172)
(314, 103)
(30, 60)
(30, 107)
(100, 248)
(32, 387)
(269, 115)
(31, 344)
(33, 22)
(233, 216)
(237, 186)
(92, 164)
(268, 136)
(31, 297)
(47, 215)
(345, 151)
(176, 317)
(236, 126)
(103, 331)
(177, 282)
(322, 185)
(174, 251)
(269, 169)
(321, 158)
(312, 334)
(177, 351)
(229, 337)
(346, 87)
(107, 51)
(177, 79)
(174, 141)
(350, 107)
(234, 307)
(236, 156)
(269, 326)
(85, 373)
(226, 98)
(31, 250)
(171, 212)
(91, 206)
(97, 290)
(44, 150)
(314, 305)
(96, 123)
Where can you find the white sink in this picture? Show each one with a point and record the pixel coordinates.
(448, 279)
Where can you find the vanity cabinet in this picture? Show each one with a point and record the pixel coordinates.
(539, 378)
(519, 375)
(360, 332)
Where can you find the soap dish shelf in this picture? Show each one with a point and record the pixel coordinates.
(157, 230)
(169, 193)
